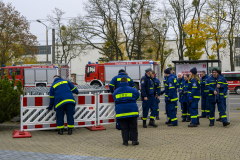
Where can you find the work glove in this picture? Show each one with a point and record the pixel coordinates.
(49, 107)
(190, 99)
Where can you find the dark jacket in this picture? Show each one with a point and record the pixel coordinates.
(204, 90)
(147, 86)
(194, 89)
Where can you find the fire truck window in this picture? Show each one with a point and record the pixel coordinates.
(10, 71)
(18, 71)
(228, 77)
(5, 71)
(236, 77)
(91, 69)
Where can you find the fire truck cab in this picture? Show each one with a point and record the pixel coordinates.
(102, 74)
(233, 79)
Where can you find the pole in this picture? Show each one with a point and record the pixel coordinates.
(46, 44)
(21, 112)
(53, 46)
(228, 107)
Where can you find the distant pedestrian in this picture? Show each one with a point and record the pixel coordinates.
(126, 108)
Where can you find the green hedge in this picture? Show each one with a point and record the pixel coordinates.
(9, 98)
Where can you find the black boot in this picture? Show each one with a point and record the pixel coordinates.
(211, 124)
(192, 125)
(221, 120)
(144, 124)
(184, 120)
(218, 119)
(125, 143)
(152, 123)
(188, 120)
(226, 123)
(69, 131)
(157, 118)
(172, 125)
(60, 131)
(135, 143)
(168, 122)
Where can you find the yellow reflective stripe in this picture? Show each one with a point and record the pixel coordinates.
(188, 114)
(51, 96)
(66, 100)
(207, 110)
(151, 88)
(159, 87)
(168, 117)
(194, 116)
(222, 94)
(213, 83)
(194, 87)
(225, 96)
(221, 82)
(189, 82)
(207, 84)
(144, 118)
(123, 95)
(70, 126)
(171, 87)
(211, 118)
(184, 114)
(196, 97)
(206, 90)
(60, 127)
(203, 110)
(59, 83)
(133, 86)
(128, 79)
(210, 94)
(127, 114)
(176, 106)
(166, 95)
(111, 85)
(224, 116)
(151, 117)
(157, 109)
(175, 99)
(174, 119)
(189, 92)
(73, 88)
(199, 82)
(225, 83)
(166, 84)
(119, 79)
(138, 98)
(175, 80)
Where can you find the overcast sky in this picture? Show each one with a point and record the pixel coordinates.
(39, 9)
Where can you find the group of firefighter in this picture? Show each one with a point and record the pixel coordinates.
(187, 89)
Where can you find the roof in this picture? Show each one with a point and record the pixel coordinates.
(196, 61)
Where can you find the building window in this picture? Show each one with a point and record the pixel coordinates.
(42, 49)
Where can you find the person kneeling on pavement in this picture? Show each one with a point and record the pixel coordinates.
(126, 109)
(61, 98)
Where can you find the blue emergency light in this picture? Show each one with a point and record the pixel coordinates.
(96, 62)
(151, 62)
(89, 62)
(3, 65)
(56, 66)
(13, 64)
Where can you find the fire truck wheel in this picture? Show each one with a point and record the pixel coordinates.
(96, 84)
(237, 90)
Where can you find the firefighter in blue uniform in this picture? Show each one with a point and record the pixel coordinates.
(184, 99)
(194, 96)
(180, 82)
(61, 98)
(216, 87)
(225, 95)
(115, 82)
(175, 78)
(171, 98)
(157, 90)
(125, 98)
(204, 94)
(148, 96)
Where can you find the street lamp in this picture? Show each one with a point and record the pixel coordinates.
(46, 38)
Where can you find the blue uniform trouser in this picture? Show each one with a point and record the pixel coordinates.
(207, 107)
(171, 111)
(204, 104)
(184, 110)
(176, 106)
(194, 111)
(157, 107)
(181, 108)
(69, 108)
(220, 105)
(188, 111)
(146, 105)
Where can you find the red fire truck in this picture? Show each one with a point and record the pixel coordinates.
(36, 75)
(102, 74)
(233, 79)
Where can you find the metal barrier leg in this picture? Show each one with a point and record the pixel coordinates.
(228, 107)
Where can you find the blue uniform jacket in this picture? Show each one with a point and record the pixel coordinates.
(171, 89)
(194, 89)
(61, 93)
(157, 86)
(115, 82)
(147, 86)
(204, 90)
(125, 98)
(211, 83)
(184, 98)
(180, 83)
